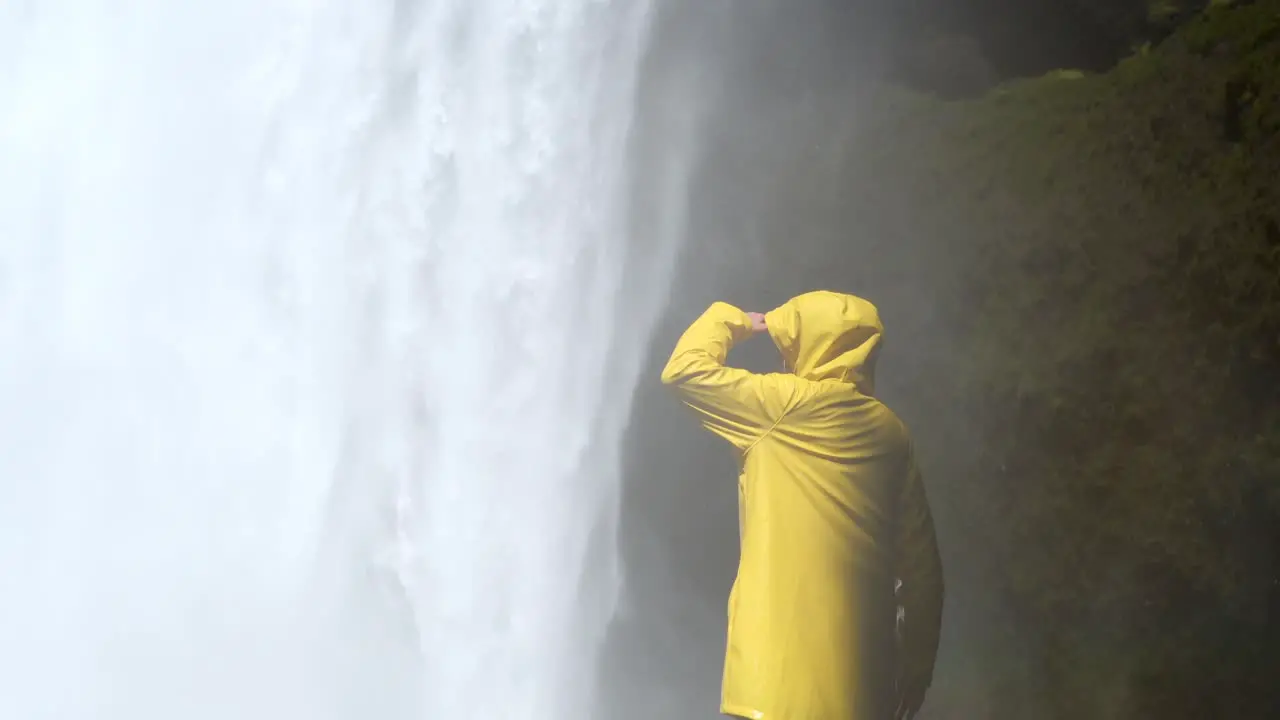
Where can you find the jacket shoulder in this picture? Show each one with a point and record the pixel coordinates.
(826, 402)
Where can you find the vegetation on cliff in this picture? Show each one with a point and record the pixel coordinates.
(1117, 330)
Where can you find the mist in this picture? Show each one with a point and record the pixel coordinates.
(1050, 218)
(253, 284)
(769, 93)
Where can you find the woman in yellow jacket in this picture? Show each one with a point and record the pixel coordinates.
(832, 515)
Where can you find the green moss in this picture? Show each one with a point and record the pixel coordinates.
(1066, 74)
(1119, 235)
(1163, 10)
(1248, 28)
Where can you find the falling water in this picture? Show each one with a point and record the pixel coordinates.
(314, 355)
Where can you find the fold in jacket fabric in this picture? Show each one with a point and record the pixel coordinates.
(832, 514)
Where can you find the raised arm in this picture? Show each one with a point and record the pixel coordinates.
(735, 404)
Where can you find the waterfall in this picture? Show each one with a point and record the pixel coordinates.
(318, 330)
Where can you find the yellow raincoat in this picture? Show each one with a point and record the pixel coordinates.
(832, 511)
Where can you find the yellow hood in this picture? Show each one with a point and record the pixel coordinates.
(825, 335)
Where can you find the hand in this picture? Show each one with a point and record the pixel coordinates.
(911, 693)
(758, 324)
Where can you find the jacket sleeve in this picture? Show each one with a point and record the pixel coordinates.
(920, 573)
(738, 405)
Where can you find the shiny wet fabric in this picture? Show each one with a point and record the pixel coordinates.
(832, 512)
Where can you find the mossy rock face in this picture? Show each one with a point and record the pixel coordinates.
(950, 46)
(1118, 235)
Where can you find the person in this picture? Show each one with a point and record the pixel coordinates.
(837, 605)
